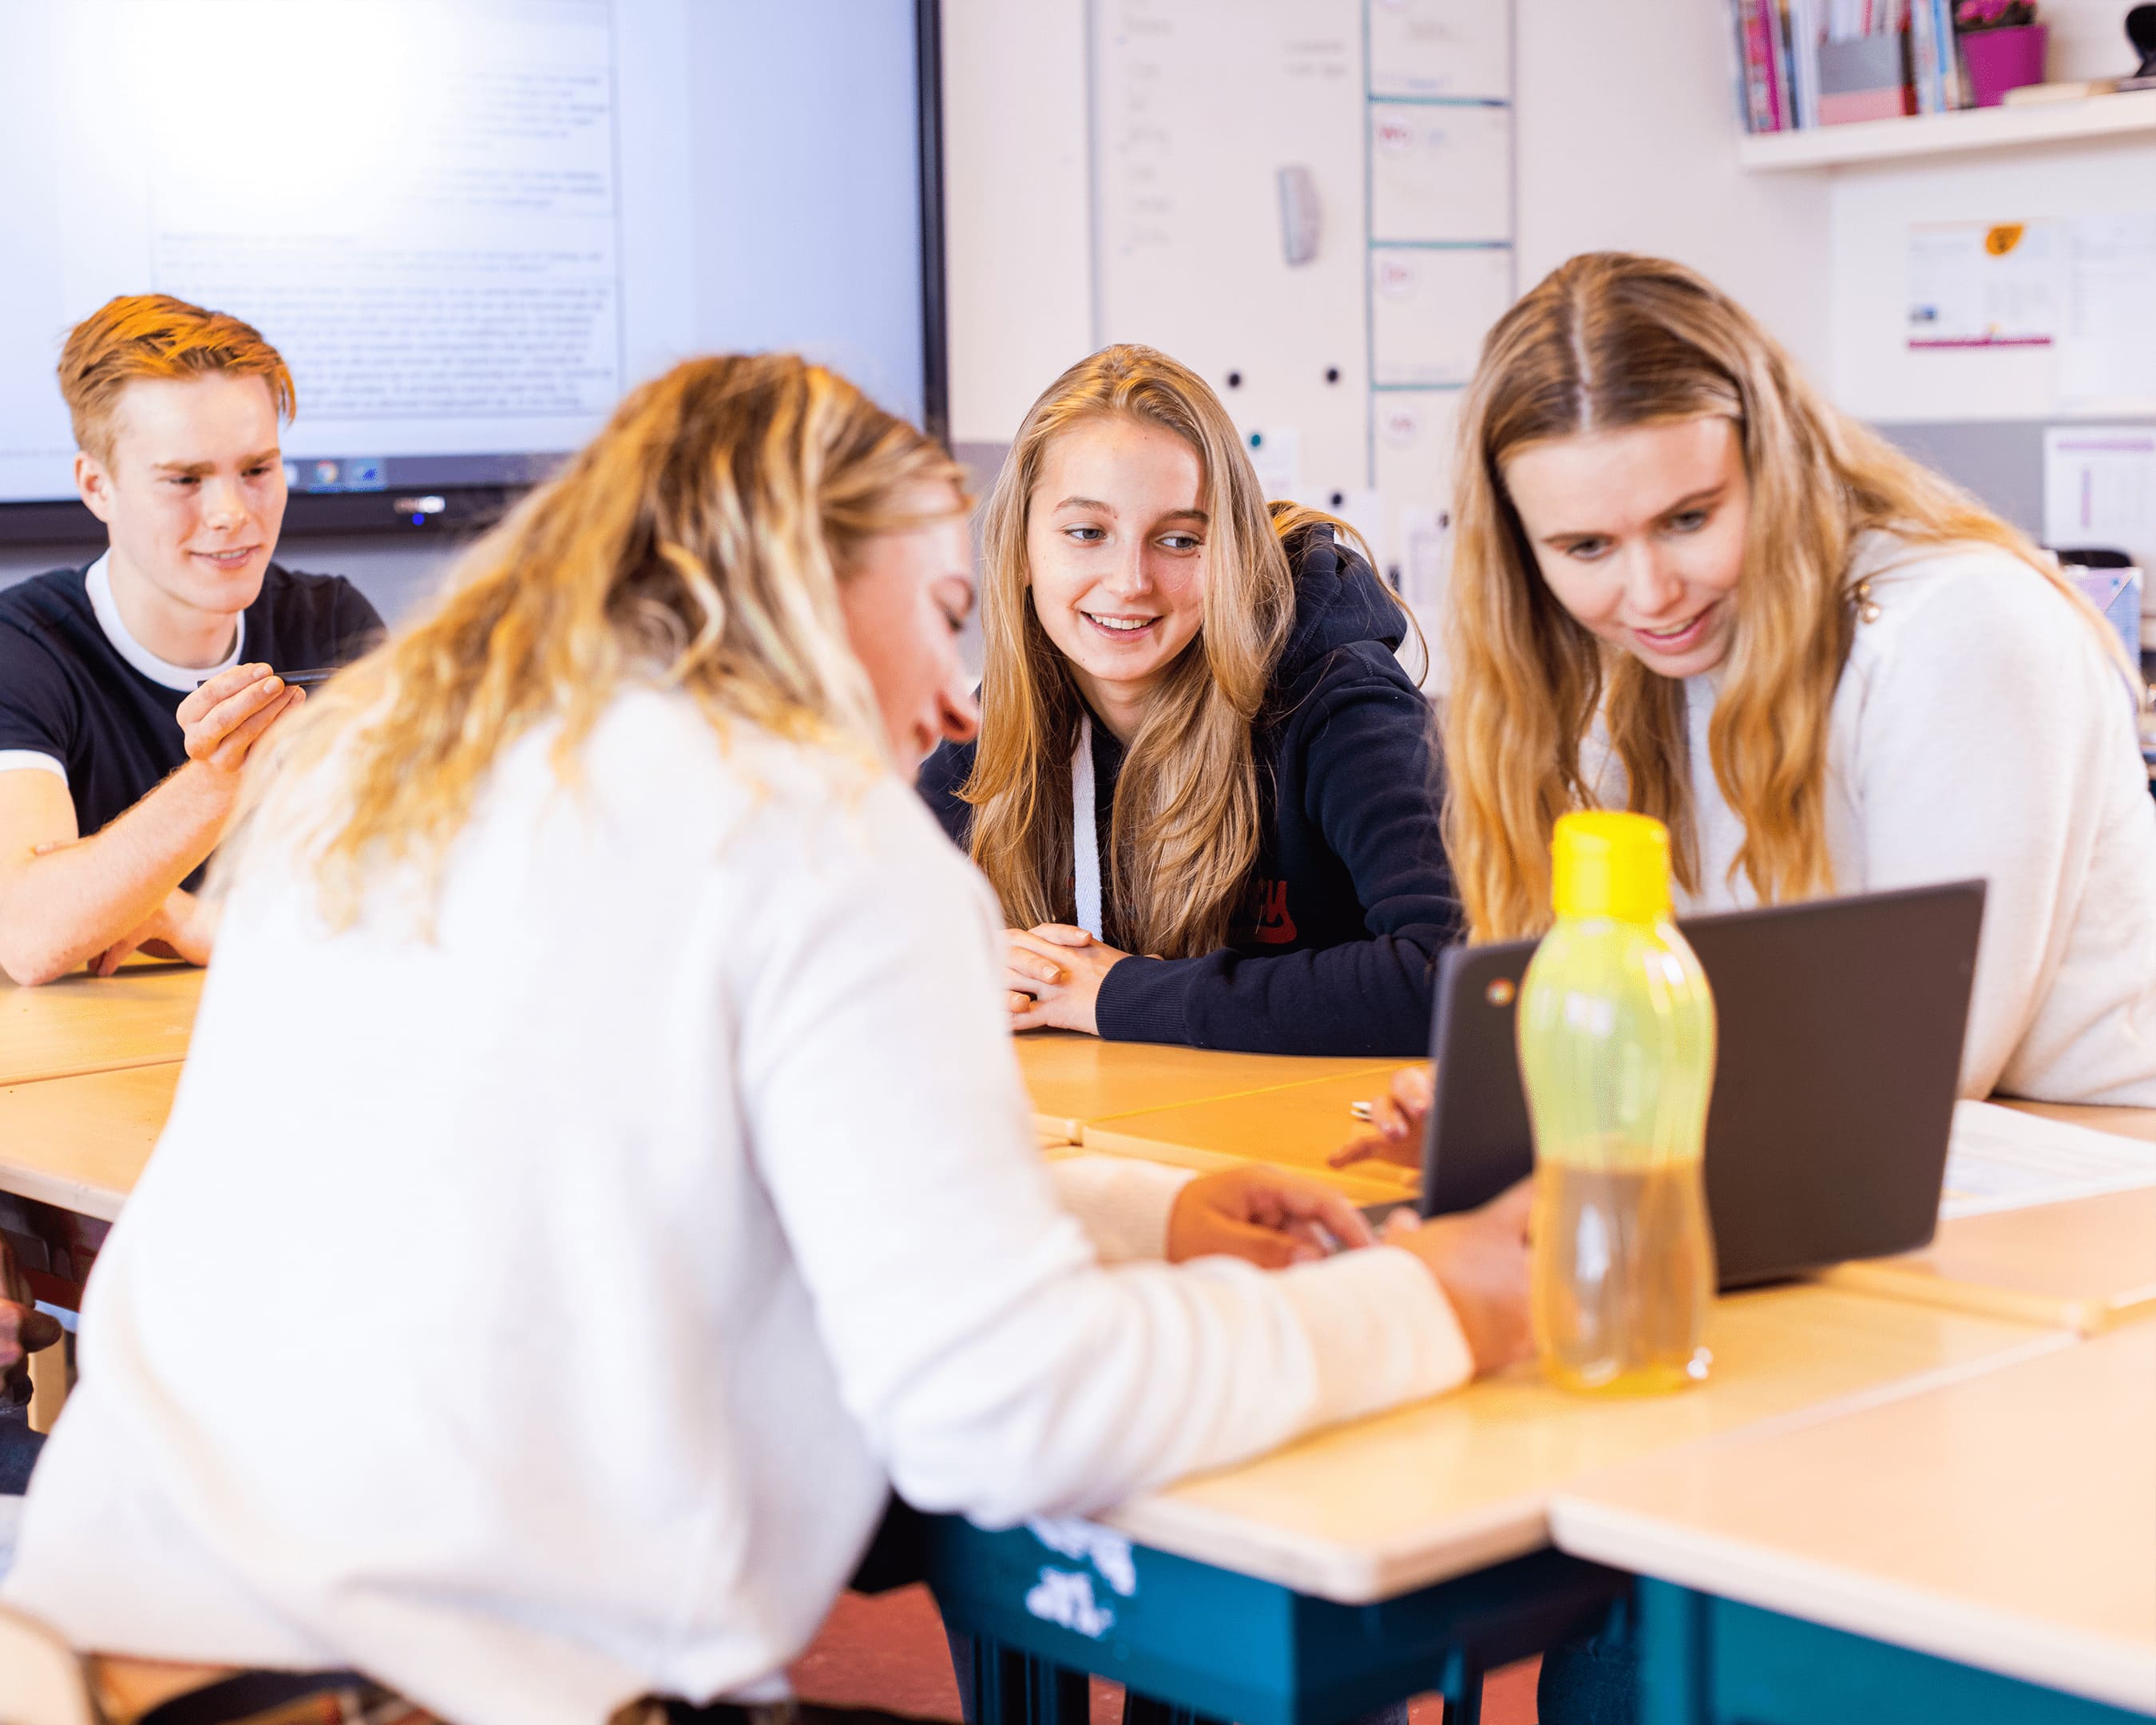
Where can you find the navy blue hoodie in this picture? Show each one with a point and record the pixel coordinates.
(1351, 897)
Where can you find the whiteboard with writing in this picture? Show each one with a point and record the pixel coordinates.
(1310, 203)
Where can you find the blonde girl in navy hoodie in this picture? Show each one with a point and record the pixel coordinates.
(1202, 789)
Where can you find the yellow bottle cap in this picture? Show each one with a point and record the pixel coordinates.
(1606, 864)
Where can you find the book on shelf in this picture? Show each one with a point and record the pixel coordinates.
(1806, 63)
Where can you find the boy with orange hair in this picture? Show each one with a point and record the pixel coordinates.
(132, 690)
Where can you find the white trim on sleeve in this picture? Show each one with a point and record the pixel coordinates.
(32, 760)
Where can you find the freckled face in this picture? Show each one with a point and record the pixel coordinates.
(1639, 533)
(1115, 541)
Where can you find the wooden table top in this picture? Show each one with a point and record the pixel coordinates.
(139, 1017)
(1076, 1079)
(1296, 1126)
(80, 1142)
(2086, 1264)
(2007, 1521)
(1368, 1511)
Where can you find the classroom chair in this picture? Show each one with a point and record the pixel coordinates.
(41, 1681)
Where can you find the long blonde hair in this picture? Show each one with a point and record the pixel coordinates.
(696, 543)
(1189, 810)
(1608, 341)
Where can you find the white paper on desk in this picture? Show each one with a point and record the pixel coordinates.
(2106, 348)
(2002, 1159)
(1439, 173)
(1440, 48)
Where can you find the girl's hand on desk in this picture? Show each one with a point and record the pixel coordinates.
(1479, 1259)
(1053, 975)
(1268, 1216)
(1395, 1122)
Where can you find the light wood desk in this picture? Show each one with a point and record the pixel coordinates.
(140, 1017)
(80, 1142)
(2006, 1521)
(2086, 1264)
(1076, 1080)
(1296, 1126)
(1370, 1510)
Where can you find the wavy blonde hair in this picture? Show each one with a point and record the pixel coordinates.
(696, 543)
(1608, 341)
(1188, 813)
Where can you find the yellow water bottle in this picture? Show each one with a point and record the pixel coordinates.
(1616, 1036)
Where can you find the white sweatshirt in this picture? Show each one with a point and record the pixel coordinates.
(536, 1318)
(1978, 729)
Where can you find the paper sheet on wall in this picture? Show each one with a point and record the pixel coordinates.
(2107, 347)
(1439, 173)
(1277, 454)
(1429, 310)
(2100, 489)
(1411, 431)
(1440, 48)
(1984, 284)
(2002, 1159)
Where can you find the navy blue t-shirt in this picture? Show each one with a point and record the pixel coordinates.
(67, 692)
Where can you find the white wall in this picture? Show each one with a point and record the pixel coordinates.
(1017, 185)
(1626, 137)
(1627, 140)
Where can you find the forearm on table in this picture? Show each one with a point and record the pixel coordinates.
(1363, 998)
(1118, 1381)
(61, 908)
(1123, 1205)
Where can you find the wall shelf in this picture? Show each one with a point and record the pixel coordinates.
(1971, 129)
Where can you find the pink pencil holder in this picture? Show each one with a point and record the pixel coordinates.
(2000, 60)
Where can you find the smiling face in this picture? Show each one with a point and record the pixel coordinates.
(193, 490)
(1115, 544)
(1639, 533)
(905, 598)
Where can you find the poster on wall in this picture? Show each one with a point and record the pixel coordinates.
(1984, 284)
(2107, 351)
(1459, 49)
(2100, 489)
(1429, 309)
(1439, 172)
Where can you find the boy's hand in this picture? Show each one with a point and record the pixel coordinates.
(182, 927)
(1479, 1259)
(23, 1330)
(226, 715)
(1266, 1215)
(1395, 1122)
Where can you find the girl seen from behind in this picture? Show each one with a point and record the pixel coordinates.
(1202, 789)
(662, 1026)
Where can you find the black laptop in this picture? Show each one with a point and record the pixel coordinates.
(1840, 1030)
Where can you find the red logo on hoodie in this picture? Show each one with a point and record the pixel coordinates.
(1275, 925)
